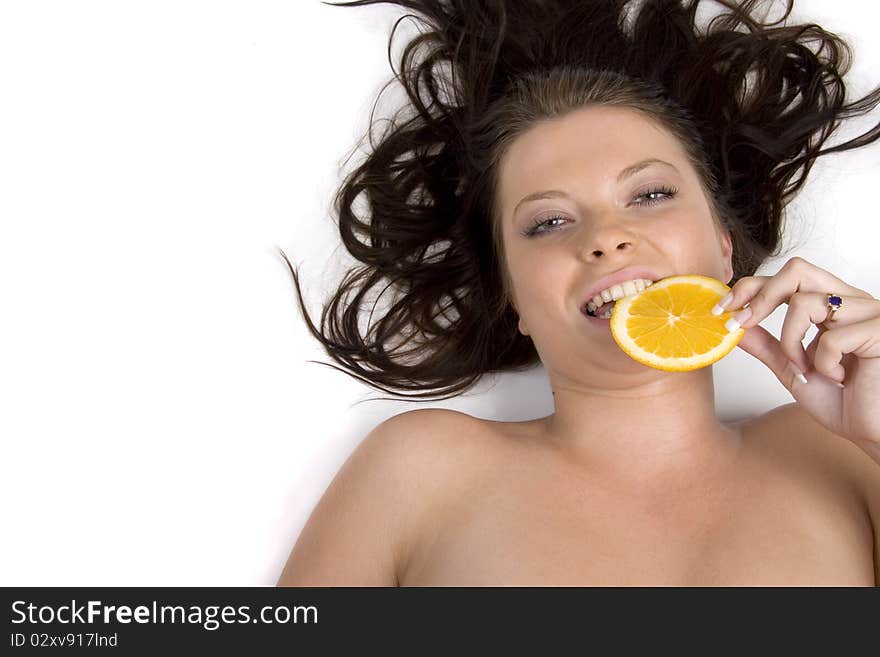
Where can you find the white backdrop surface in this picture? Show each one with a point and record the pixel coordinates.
(159, 421)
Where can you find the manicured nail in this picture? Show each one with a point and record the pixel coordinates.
(839, 384)
(721, 305)
(797, 373)
(736, 321)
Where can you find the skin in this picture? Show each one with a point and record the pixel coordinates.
(637, 425)
(632, 480)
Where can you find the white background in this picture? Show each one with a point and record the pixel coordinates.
(159, 422)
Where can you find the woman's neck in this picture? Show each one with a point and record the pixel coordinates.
(642, 429)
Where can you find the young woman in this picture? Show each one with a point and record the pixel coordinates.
(552, 149)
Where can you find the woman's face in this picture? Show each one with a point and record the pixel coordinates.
(600, 224)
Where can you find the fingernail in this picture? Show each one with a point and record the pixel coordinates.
(839, 384)
(736, 321)
(797, 372)
(721, 305)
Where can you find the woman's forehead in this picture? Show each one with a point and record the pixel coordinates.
(600, 138)
(601, 149)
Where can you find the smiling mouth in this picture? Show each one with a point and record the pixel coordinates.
(601, 305)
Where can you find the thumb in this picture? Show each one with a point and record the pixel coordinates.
(764, 346)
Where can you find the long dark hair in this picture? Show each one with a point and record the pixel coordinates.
(750, 100)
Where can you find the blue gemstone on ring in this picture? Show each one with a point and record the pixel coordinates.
(835, 301)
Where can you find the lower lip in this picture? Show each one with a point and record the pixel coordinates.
(597, 320)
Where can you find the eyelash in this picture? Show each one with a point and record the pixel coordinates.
(669, 191)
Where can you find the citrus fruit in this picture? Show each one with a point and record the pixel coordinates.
(670, 325)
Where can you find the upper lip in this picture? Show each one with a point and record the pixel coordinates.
(620, 276)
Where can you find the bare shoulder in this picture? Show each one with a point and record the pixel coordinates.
(438, 455)
(444, 459)
(362, 528)
(428, 437)
(429, 449)
(790, 431)
(791, 435)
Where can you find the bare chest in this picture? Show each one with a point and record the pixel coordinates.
(766, 526)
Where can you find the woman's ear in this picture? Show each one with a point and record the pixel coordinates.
(521, 325)
(727, 252)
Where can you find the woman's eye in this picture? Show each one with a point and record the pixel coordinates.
(664, 193)
(667, 192)
(541, 222)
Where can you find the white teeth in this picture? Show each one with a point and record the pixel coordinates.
(616, 292)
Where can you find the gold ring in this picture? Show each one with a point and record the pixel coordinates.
(834, 303)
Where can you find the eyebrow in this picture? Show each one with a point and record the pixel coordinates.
(628, 172)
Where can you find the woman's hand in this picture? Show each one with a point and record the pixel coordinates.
(846, 350)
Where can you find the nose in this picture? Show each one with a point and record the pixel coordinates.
(610, 241)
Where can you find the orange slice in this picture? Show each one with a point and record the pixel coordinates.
(670, 325)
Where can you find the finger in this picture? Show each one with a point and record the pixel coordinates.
(796, 275)
(804, 310)
(851, 311)
(814, 344)
(743, 290)
(763, 294)
(858, 339)
(808, 308)
(761, 344)
(764, 346)
(812, 308)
